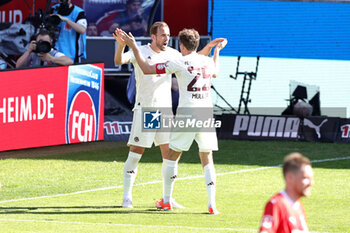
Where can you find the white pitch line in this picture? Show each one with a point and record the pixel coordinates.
(160, 181)
(132, 225)
(127, 225)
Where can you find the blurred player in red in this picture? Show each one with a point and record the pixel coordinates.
(194, 72)
(152, 90)
(284, 212)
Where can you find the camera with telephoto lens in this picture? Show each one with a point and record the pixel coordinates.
(63, 8)
(42, 47)
(52, 21)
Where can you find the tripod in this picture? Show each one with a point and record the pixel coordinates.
(245, 92)
(221, 97)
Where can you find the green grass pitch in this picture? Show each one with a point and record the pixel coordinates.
(82, 191)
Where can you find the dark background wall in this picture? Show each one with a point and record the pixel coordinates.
(181, 14)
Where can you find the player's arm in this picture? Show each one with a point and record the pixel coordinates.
(24, 59)
(270, 220)
(119, 56)
(207, 49)
(79, 26)
(59, 59)
(141, 61)
(217, 50)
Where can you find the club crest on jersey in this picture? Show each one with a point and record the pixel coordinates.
(152, 119)
(267, 221)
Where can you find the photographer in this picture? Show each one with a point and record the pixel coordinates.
(72, 30)
(41, 53)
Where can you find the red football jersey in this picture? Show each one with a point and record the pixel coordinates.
(282, 215)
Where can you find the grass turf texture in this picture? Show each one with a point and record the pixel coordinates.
(241, 191)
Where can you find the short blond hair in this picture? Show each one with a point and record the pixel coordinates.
(154, 28)
(293, 162)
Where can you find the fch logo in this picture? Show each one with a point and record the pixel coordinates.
(151, 119)
(82, 120)
(84, 103)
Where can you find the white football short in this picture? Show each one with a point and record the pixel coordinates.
(182, 141)
(140, 137)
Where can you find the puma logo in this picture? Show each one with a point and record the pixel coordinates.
(317, 128)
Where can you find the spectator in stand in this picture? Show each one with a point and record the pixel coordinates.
(137, 26)
(133, 19)
(110, 31)
(32, 57)
(91, 29)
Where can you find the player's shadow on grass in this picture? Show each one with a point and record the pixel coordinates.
(47, 210)
(231, 152)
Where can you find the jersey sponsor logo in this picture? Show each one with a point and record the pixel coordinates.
(345, 129)
(267, 221)
(317, 128)
(117, 127)
(266, 126)
(152, 119)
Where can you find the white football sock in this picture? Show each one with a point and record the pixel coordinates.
(130, 171)
(210, 182)
(163, 168)
(170, 174)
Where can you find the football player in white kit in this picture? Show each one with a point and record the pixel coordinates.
(190, 69)
(152, 90)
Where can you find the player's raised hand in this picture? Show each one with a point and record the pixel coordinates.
(221, 44)
(129, 39)
(118, 38)
(215, 42)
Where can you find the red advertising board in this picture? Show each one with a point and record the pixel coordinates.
(51, 106)
(16, 11)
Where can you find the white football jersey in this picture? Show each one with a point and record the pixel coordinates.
(193, 73)
(153, 90)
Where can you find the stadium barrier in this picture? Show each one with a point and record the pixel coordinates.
(256, 127)
(289, 128)
(51, 106)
